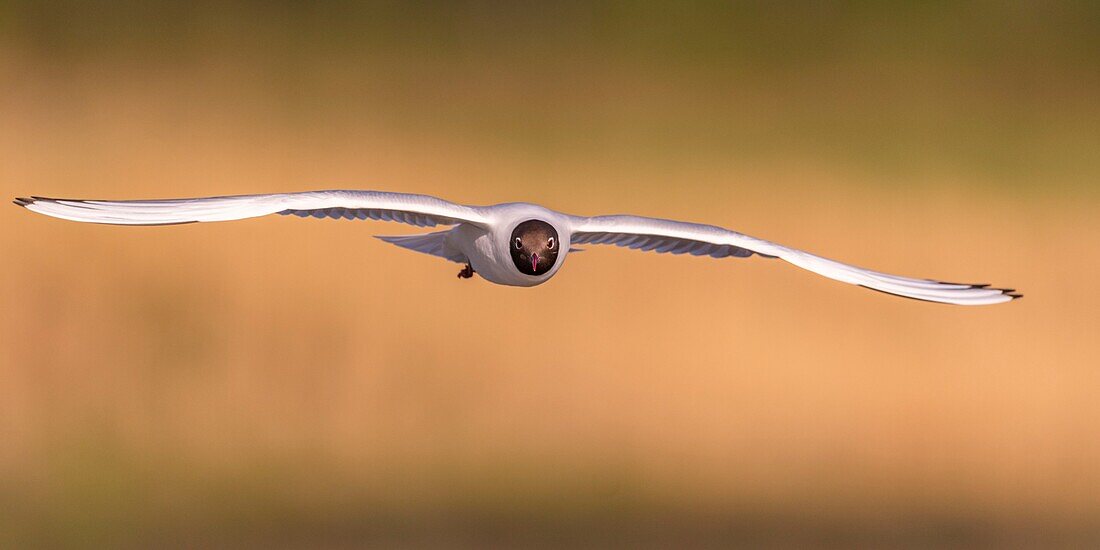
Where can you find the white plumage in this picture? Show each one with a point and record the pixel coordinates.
(482, 235)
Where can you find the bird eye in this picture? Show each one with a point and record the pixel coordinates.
(519, 244)
(550, 243)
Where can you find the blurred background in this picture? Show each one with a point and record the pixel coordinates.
(296, 383)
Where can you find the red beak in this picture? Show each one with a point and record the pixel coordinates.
(534, 262)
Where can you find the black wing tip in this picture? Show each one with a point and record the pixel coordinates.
(971, 285)
(1010, 292)
(24, 201)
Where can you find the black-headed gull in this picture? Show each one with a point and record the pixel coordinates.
(518, 244)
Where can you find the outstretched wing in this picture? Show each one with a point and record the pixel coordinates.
(419, 210)
(431, 243)
(689, 238)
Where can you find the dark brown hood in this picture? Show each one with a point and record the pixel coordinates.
(534, 247)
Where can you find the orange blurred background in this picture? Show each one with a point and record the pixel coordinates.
(297, 383)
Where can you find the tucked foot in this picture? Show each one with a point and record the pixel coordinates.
(467, 272)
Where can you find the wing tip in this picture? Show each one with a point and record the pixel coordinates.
(27, 201)
(1010, 292)
(971, 285)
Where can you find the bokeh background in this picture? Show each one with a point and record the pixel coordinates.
(296, 383)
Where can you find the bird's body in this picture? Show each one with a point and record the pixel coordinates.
(515, 244)
(486, 249)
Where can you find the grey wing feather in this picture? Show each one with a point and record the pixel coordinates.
(431, 243)
(674, 237)
(418, 210)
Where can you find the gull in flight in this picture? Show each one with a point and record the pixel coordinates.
(517, 244)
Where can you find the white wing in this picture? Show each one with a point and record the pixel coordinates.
(419, 210)
(680, 237)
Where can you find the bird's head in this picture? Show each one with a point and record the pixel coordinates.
(534, 247)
